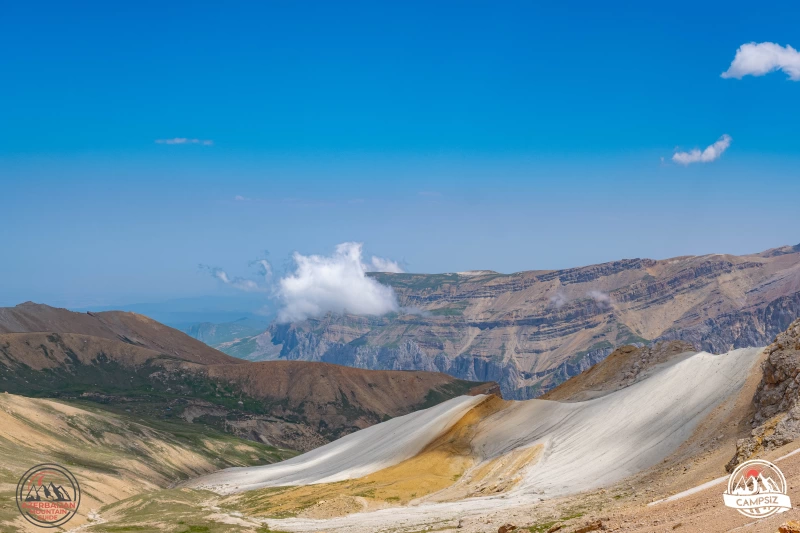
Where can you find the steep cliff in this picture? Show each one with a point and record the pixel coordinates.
(776, 420)
(530, 331)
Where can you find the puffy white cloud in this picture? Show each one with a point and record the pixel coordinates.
(335, 283)
(184, 140)
(379, 264)
(711, 153)
(758, 59)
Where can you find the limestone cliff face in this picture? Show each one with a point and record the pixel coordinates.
(530, 331)
(777, 400)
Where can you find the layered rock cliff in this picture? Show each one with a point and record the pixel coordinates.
(530, 331)
(777, 400)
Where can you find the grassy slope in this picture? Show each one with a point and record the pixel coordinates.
(113, 456)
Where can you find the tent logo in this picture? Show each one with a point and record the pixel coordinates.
(757, 489)
(48, 495)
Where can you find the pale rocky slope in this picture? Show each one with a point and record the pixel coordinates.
(530, 331)
(501, 454)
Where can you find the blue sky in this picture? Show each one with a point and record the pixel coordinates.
(445, 135)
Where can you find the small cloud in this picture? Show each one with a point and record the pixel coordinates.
(184, 140)
(711, 153)
(240, 198)
(242, 284)
(379, 264)
(414, 310)
(758, 59)
(264, 268)
(559, 300)
(602, 299)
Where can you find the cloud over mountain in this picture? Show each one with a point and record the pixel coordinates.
(319, 284)
(243, 284)
(379, 264)
(335, 283)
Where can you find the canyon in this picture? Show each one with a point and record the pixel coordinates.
(530, 331)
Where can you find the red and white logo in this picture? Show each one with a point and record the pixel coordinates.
(757, 489)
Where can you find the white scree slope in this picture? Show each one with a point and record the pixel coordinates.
(587, 444)
(353, 456)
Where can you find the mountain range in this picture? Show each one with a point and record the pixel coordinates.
(131, 363)
(530, 331)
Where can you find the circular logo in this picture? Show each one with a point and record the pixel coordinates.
(48, 495)
(757, 489)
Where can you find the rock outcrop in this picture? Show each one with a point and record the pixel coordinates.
(777, 400)
(624, 367)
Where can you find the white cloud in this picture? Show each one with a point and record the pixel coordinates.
(336, 283)
(600, 297)
(559, 300)
(243, 284)
(264, 268)
(184, 140)
(758, 59)
(379, 264)
(414, 310)
(711, 153)
(240, 198)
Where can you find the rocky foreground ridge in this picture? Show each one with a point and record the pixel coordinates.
(776, 420)
(530, 331)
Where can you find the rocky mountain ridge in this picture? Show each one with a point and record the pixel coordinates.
(776, 420)
(623, 367)
(135, 365)
(530, 331)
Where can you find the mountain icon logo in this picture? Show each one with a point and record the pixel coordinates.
(757, 489)
(48, 495)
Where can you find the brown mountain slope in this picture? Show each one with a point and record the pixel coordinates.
(302, 384)
(113, 455)
(297, 405)
(131, 328)
(623, 367)
(530, 331)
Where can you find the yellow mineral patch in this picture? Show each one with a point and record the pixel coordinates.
(494, 475)
(441, 464)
